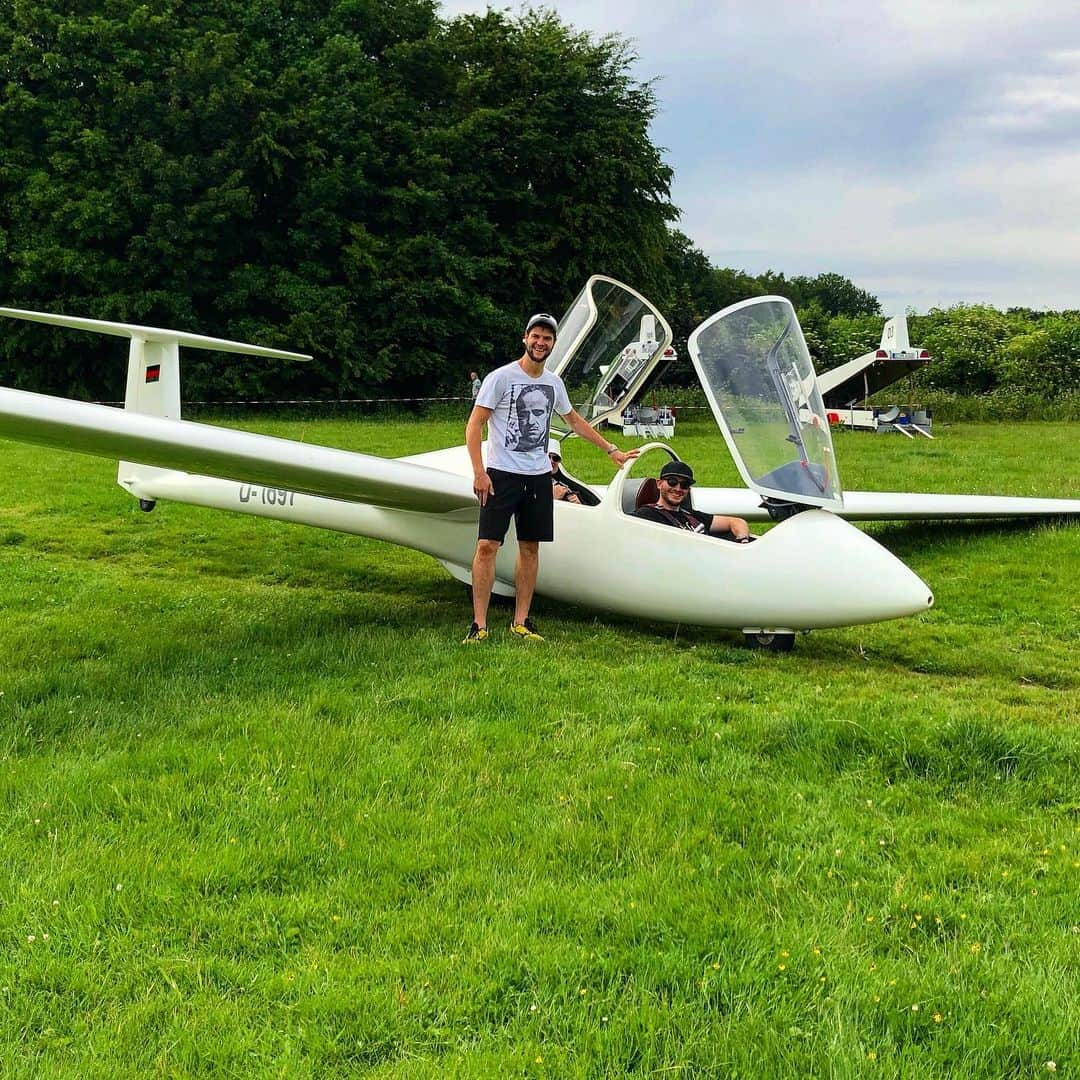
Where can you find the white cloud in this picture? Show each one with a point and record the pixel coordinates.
(927, 150)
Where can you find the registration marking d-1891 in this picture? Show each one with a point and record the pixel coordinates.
(267, 496)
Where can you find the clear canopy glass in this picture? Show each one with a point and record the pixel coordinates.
(609, 341)
(759, 379)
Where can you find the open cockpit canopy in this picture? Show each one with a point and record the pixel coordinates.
(610, 341)
(759, 380)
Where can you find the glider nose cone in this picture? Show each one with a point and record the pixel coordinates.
(872, 581)
(847, 577)
(901, 589)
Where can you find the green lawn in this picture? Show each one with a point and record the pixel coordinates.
(264, 816)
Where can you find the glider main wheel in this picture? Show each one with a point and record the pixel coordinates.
(772, 642)
(146, 505)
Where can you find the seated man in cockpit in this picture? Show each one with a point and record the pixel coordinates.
(676, 479)
(563, 488)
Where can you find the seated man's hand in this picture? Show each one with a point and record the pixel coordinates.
(563, 494)
(739, 529)
(734, 525)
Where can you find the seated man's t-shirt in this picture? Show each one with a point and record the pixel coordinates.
(693, 521)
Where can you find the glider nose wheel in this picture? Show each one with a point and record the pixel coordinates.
(774, 641)
(146, 505)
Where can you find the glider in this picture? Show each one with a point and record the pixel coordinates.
(811, 570)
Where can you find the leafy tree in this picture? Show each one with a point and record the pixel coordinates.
(353, 177)
(836, 294)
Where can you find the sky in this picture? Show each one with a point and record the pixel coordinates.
(927, 149)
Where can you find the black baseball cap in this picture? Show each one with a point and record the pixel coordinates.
(542, 318)
(677, 469)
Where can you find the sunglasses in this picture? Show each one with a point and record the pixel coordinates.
(679, 482)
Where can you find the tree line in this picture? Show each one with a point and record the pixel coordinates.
(361, 179)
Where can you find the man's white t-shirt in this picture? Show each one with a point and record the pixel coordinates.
(520, 420)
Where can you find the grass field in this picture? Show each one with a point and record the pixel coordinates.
(264, 816)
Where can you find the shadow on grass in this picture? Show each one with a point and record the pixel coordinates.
(912, 537)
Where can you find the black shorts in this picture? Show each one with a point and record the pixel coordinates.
(526, 499)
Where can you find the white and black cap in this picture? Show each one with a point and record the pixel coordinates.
(542, 318)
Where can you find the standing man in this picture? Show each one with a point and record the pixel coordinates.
(474, 386)
(516, 402)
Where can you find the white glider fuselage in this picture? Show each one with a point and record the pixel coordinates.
(813, 570)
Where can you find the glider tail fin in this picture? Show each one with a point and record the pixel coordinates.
(894, 335)
(153, 388)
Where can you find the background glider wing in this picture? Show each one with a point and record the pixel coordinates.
(230, 455)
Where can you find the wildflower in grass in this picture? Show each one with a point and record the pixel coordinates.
(817, 950)
(877, 998)
(1051, 1066)
(872, 1056)
(533, 1007)
(30, 939)
(782, 967)
(583, 991)
(915, 1007)
(716, 965)
(976, 947)
(784, 953)
(539, 1060)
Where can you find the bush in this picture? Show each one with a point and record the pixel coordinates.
(1046, 361)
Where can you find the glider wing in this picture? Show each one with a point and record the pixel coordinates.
(207, 450)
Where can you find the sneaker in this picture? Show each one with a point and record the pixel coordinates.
(476, 633)
(526, 631)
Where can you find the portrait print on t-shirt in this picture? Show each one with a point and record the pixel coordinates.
(530, 417)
